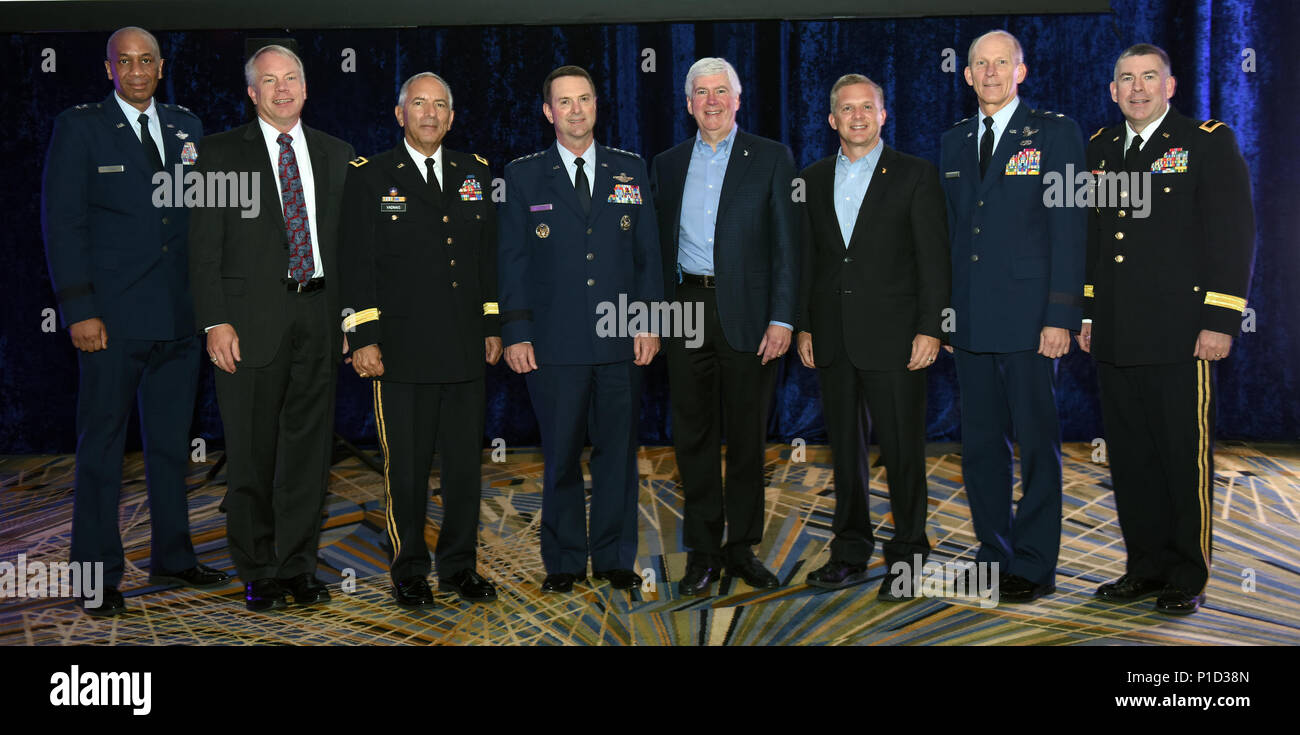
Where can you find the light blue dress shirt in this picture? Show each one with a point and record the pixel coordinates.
(704, 176)
(700, 197)
(851, 182)
(588, 164)
(1001, 119)
(155, 125)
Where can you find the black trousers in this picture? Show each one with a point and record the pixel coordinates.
(414, 419)
(279, 421)
(715, 388)
(1160, 440)
(162, 378)
(893, 401)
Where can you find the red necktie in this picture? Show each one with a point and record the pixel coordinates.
(301, 263)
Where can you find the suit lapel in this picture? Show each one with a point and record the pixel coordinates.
(561, 187)
(675, 184)
(602, 184)
(123, 132)
(320, 167)
(260, 158)
(451, 178)
(1007, 144)
(824, 179)
(171, 144)
(737, 166)
(407, 174)
(875, 190)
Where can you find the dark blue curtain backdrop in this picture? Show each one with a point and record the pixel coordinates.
(786, 69)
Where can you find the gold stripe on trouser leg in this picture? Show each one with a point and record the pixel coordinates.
(382, 429)
(1206, 481)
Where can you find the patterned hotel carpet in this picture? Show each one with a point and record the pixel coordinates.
(1256, 538)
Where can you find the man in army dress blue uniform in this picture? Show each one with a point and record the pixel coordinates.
(1166, 289)
(577, 231)
(1017, 275)
(418, 256)
(118, 264)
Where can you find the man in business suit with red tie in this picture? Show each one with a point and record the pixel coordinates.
(273, 328)
(729, 239)
(874, 281)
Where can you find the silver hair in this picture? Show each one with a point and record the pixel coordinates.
(707, 67)
(401, 94)
(250, 67)
(108, 48)
(1020, 52)
(849, 79)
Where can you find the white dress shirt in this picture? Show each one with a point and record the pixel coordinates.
(419, 157)
(1001, 119)
(588, 164)
(303, 157)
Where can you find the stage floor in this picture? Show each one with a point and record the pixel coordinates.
(1253, 596)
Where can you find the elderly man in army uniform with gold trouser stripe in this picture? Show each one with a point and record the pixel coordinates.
(419, 268)
(1165, 294)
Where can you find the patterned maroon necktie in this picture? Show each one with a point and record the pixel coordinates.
(301, 263)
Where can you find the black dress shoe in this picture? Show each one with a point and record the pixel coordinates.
(702, 570)
(109, 604)
(561, 582)
(196, 576)
(1128, 588)
(264, 595)
(620, 579)
(1176, 602)
(306, 589)
(894, 589)
(1015, 588)
(470, 586)
(751, 570)
(836, 575)
(412, 593)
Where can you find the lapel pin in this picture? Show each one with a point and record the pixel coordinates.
(746, 151)
(1165, 134)
(400, 165)
(121, 125)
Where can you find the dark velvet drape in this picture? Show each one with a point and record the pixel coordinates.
(1230, 58)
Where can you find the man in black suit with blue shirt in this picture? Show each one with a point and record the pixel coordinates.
(118, 263)
(729, 240)
(874, 283)
(1017, 293)
(577, 232)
